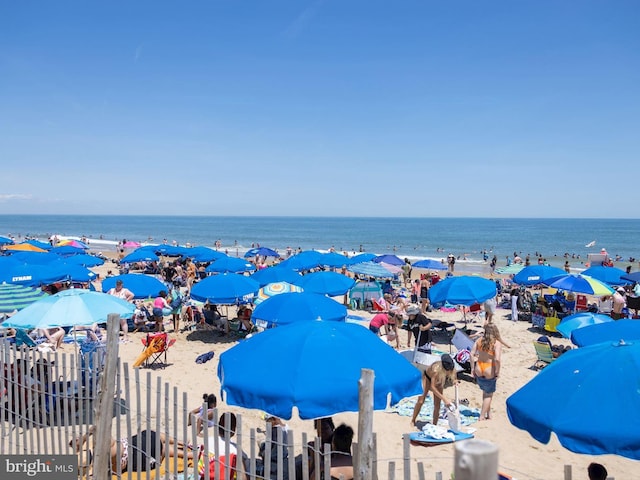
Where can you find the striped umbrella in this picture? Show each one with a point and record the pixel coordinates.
(16, 297)
(275, 288)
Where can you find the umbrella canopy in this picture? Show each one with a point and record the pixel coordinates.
(168, 250)
(17, 297)
(390, 259)
(573, 407)
(294, 307)
(262, 251)
(607, 332)
(579, 320)
(69, 308)
(225, 289)
(511, 269)
(363, 257)
(230, 265)
(275, 274)
(334, 259)
(632, 277)
(24, 247)
(33, 275)
(429, 264)
(203, 254)
(609, 275)
(317, 383)
(326, 283)
(140, 255)
(73, 243)
(6, 241)
(303, 261)
(463, 290)
(142, 286)
(579, 284)
(39, 244)
(67, 250)
(85, 260)
(371, 269)
(536, 274)
(39, 258)
(276, 288)
(72, 271)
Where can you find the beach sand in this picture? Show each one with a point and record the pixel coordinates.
(519, 455)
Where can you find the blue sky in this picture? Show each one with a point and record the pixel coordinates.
(336, 107)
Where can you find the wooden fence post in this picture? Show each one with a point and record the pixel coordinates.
(476, 460)
(104, 411)
(363, 470)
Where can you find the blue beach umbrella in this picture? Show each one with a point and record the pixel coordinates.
(607, 332)
(536, 274)
(296, 307)
(67, 250)
(609, 275)
(463, 290)
(230, 265)
(363, 257)
(579, 284)
(142, 286)
(203, 254)
(39, 244)
(429, 264)
(335, 260)
(573, 407)
(5, 241)
(169, 250)
(262, 251)
(225, 289)
(33, 275)
(579, 320)
(317, 366)
(303, 261)
(140, 255)
(275, 274)
(389, 259)
(69, 308)
(17, 297)
(85, 260)
(35, 258)
(371, 269)
(326, 283)
(73, 272)
(632, 277)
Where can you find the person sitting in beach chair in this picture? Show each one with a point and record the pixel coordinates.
(244, 316)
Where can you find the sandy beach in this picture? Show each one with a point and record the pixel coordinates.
(520, 455)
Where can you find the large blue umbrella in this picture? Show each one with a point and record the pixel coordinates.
(203, 254)
(632, 277)
(69, 308)
(275, 274)
(6, 241)
(566, 398)
(262, 251)
(370, 269)
(334, 259)
(579, 320)
(314, 366)
(67, 250)
(85, 260)
(39, 244)
(230, 265)
(33, 275)
(303, 261)
(73, 272)
(140, 255)
(225, 289)
(326, 283)
(17, 297)
(32, 258)
(463, 290)
(300, 306)
(429, 264)
(609, 275)
(607, 332)
(389, 259)
(169, 250)
(363, 257)
(142, 286)
(536, 274)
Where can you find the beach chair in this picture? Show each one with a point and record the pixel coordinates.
(462, 342)
(471, 313)
(155, 350)
(544, 355)
(581, 303)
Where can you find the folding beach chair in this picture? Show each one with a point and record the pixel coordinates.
(581, 303)
(155, 350)
(471, 313)
(544, 355)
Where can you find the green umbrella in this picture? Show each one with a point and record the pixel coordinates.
(16, 297)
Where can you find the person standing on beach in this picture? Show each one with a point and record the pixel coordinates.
(127, 295)
(514, 303)
(424, 293)
(438, 375)
(191, 274)
(485, 366)
(420, 326)
(618, 303)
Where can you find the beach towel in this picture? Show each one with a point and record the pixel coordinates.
(205, 357)
(405, 407)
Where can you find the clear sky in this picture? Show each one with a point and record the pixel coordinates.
(473, 108)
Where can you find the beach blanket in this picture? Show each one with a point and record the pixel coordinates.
(427, 439)
(405, 407)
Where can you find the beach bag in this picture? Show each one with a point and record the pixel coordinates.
(217, 466)
(176, 302)
(453, 417)
(538, 320)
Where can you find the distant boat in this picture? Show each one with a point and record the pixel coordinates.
(590, 244)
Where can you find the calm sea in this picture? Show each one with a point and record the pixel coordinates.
(406, 237)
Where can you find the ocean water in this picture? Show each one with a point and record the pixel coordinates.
(414, 238)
